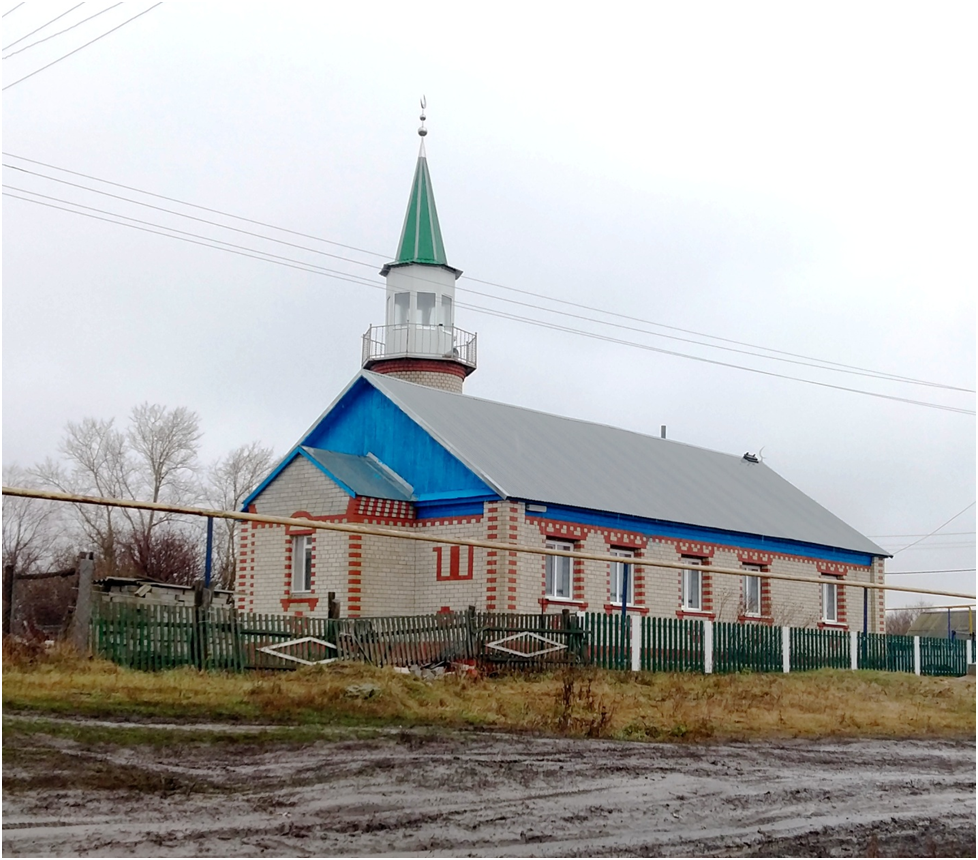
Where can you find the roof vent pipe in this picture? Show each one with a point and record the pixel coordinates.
(662, 431)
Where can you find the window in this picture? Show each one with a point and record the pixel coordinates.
(619, 570)
(693, 585)
(446, 311)
(302, 563)
(402, 308)
(559, 571)
(752, 591)
(830, 602)
(426, 308)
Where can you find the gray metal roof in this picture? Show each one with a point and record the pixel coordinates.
(366, 476)
(534, 456)
(933, 623)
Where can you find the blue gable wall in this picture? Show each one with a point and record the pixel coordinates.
(366, 422)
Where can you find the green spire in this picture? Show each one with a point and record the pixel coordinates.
(421, 240)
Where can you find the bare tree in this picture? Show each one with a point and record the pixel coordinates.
(899, 621)
(163, 445)
(154, 460)
(95, 464)
(229, 481)
(31, 534)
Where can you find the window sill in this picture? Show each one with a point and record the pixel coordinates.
(832, 625)
(632, 607)
(567, 602)
(695, 613)
(756, 619)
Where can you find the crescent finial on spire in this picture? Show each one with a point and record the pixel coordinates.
(424, 104)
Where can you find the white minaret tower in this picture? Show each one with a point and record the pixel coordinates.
(419, 341)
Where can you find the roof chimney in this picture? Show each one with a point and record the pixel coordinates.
(662, 431)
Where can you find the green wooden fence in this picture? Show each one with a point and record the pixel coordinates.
(818, 649)
(609, 646)
(885, 653)
(746, 647)
(671, 645)
(943, 657)
(154, 636)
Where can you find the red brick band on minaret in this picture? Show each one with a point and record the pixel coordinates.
(403, 365)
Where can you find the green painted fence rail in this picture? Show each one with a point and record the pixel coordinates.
(164, 636)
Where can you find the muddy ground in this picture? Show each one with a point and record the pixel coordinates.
(422, 793)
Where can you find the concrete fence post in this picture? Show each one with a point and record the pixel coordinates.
(786, 649)
(853, 650)
(81, 620)
(636, 622)
(969, 650)
(916, 655)
(708, 647)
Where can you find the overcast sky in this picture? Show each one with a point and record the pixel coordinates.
(797, 177)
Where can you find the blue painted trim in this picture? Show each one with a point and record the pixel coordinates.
(449, 497)
(450, 509)
(659, 528)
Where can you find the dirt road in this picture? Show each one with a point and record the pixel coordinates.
(476, 794)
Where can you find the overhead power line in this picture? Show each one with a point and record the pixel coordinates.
(919, 534)
(82, 47)
(38, 29)
(931, 534)
(60, 32)
(255, 253)
(776, 355)
(5, 14)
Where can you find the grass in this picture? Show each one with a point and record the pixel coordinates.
(582, 703)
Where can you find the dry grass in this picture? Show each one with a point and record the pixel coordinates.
(581, 703)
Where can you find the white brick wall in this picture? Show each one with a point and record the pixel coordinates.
(384, 576)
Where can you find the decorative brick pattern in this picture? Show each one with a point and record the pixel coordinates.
(445, 375)
(377, 576)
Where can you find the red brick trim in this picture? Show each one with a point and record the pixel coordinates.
(754, 556)
(422, 365)
(834, 568)
(310, 603)
(454, 571)
(692, 549)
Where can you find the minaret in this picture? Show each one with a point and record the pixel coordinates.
(419, 341)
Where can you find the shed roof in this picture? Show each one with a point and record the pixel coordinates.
(365, 476)
(539, 457)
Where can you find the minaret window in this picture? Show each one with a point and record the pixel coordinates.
(426, 308)
(446, 311)
(402, 308)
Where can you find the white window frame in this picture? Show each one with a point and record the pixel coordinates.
(302, 548)
(427, 308)
(402, 308)
(753, 578)
(830, 601)
(694, 572)
(559, 565)
(616, 572)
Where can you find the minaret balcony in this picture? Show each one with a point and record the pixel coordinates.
(437, 342)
